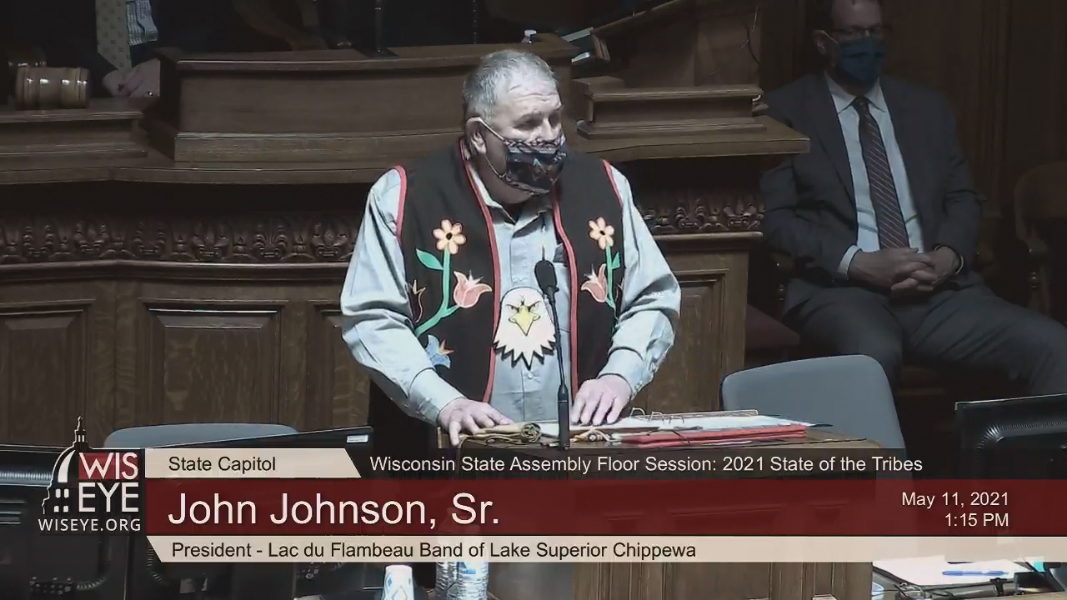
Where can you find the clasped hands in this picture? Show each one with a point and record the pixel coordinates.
(138, 82)
(904, 272)
(598, 401)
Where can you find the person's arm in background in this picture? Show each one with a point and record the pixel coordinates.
(962, 204)
(787, 231)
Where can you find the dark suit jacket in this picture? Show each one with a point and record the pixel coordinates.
(810, 200)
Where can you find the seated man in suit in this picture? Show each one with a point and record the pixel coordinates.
(442, 298)
(882, 220)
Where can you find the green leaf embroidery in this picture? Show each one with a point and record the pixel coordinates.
(614, 261)
(429, 260)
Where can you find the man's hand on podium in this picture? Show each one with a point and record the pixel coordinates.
(143, 80)
(467, 416)
(600, 400)
(113, 82)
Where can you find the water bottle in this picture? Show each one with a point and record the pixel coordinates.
(446, 576)
(472, 582)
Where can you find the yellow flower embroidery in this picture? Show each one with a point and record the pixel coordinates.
(601, 233)
(450, 236)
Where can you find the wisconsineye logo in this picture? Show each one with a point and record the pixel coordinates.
(93, 490)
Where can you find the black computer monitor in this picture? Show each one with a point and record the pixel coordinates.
(1016, 438)
(271, 581)
(1013, 438)
(35, 565)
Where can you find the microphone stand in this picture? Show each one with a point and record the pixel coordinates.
(563, 397)
(380, 51)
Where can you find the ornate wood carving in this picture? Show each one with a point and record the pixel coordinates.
(694, 196)
(693, 210)
(297, 238)
(675, 197)
(275, 238)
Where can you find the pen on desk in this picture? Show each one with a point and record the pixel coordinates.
(975, 573)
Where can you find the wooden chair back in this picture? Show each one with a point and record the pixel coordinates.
(1040, 197)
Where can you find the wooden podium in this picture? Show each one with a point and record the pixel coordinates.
(688, 581)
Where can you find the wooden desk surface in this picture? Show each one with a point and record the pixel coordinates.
(775, 140)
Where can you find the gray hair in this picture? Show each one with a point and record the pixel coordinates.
(485, 87)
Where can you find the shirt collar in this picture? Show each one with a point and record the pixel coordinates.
(481, 189)
(843, 99)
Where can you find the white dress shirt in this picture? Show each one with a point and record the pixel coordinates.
(867, 234)
(378, 323)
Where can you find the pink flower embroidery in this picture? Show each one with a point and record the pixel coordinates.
(597, 285)
(602, 233)
(450, 236)
(468, 289)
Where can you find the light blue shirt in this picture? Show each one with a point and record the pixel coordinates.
(140, 25)
(867, 231)
(378, 324)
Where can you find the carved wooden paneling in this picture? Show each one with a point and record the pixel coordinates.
(42, 355)
(205, 362)
(56, 344)
(245, 238)
(235, 352)
(691, 196)
(338, 387)
(688, 378)
(741, 582)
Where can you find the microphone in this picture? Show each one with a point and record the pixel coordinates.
(545, 273)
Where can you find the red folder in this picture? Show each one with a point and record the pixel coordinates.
(668, 438)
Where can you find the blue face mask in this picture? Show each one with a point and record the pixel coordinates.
(861, 60)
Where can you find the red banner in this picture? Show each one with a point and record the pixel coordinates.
(605, 507)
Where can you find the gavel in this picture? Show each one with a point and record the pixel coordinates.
(51, 87)
(24, 57)
(13, 59)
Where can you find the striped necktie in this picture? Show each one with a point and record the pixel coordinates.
(891, 230)
(113, 33)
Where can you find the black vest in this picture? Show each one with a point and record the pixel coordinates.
(452, 270)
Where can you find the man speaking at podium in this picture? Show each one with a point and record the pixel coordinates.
(446, 300)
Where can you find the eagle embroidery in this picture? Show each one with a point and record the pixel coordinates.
(525, 330)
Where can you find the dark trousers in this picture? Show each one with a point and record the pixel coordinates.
(142, 53)
(968, 329)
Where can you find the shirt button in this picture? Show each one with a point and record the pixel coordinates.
(529, 376)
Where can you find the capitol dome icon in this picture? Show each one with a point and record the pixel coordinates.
(60, 496)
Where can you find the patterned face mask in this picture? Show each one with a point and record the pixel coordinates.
(531, 167)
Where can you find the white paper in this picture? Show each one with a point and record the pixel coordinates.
(930, 571)
(550, 429)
